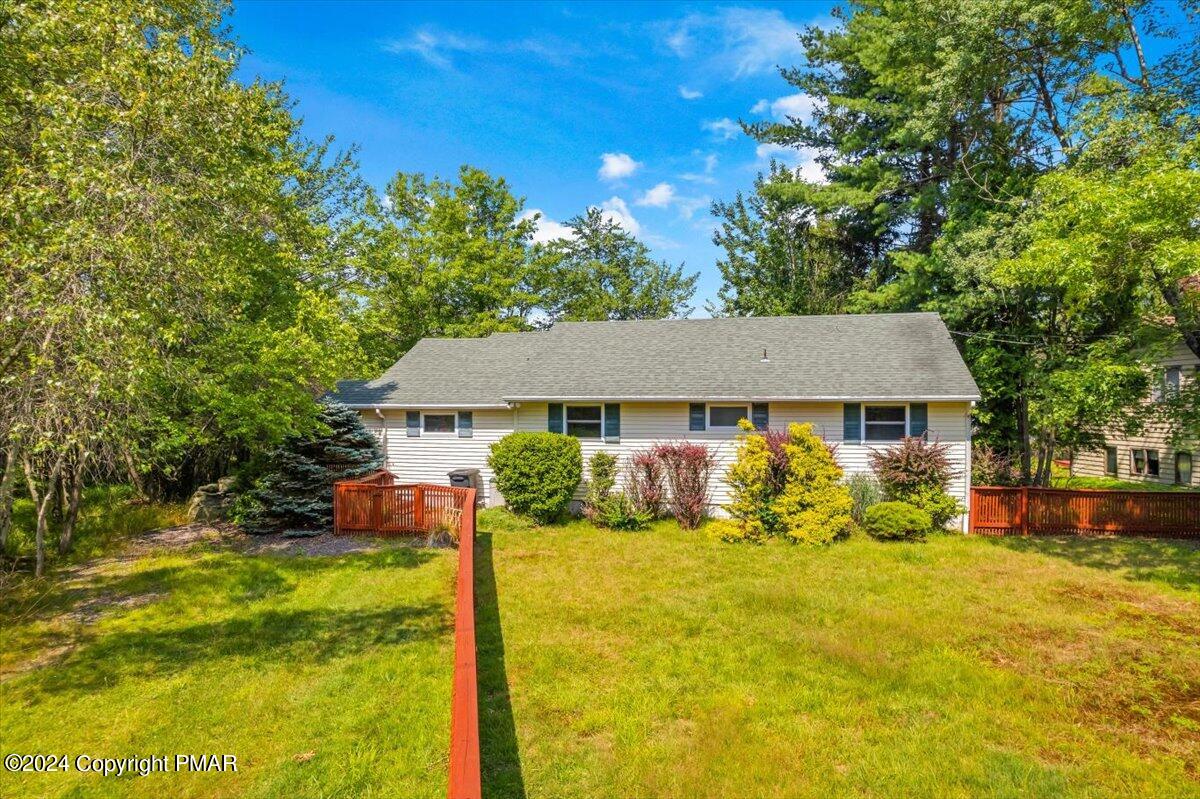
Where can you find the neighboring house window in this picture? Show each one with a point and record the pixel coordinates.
(1183, 468)
(1171, 381)
(1138, 461)
(585, 421)
(726, 417)
(885, 422)
(1110, 460)
(1152, 462)
(437, 422)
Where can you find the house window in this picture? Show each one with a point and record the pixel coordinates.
(1152, 462)
(1138, 461)
(885, 422)
(1110, 460)
(437, 422)
(1183, 468)
(1171, 381)
(585, 421)
(726, 416)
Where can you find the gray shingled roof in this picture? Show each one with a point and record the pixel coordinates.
(878, 356)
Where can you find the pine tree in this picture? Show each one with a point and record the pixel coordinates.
(296, 489)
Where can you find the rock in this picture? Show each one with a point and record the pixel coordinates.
(211, 503)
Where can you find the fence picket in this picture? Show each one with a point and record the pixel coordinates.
(1057, 511)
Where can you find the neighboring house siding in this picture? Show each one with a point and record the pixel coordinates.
(1092, 462)
(428, 458)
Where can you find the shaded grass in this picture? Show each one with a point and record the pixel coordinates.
(325, 676)
(668, 664)
(1166, 561)
(108, 516)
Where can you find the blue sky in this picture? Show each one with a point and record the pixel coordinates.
(627, 107)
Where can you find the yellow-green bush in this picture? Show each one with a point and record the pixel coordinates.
(785, 485)
(814, 507)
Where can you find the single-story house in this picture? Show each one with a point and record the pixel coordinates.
(863, 381)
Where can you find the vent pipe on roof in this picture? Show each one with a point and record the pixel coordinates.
(764, 358)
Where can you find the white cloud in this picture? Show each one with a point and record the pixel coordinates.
(689, 94)
(710, 165)
(615, 166)
(792, 106)
(434, 46)
(547, 229)
(724, 128)
(660, 196)
(741, 41)
(615, 210)
(802, 161)
(688, 206)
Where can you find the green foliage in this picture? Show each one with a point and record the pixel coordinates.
(776, 261)
(1027, 170)
(296, 488)
(865, 491)
(602, 272)
(441, 258)
(619, 512)
(807, 505)
(894, 520)
(917, 471)
(537, 472)
(602, 476)
(171, 240)
(814, 507)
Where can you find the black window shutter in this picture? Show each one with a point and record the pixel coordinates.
(851, 423)
(918, 418)
(466, 424)
(554, 417)
(612, 422)
(696, 416)
(760, 414)
(412, 420)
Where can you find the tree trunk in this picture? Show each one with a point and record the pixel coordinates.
(7, 481)
(1023, 434)
(72, 489)
(135, 477)
(42, 505)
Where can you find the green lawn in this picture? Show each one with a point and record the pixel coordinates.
(326, 676)
(1062, 478)
(666, 664)
(108, 516)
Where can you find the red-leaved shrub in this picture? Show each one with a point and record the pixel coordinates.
(913, 463)
(644, 480)
(687, 466)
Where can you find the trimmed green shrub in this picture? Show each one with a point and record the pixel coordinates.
(619, 512)
(537, 472)
(295, 489)
(865, 491)
(896, 520)
(602, 476)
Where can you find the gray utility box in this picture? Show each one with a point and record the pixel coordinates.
(466, 478)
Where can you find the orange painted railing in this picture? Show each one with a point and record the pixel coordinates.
(375, 505)
(1060, 511)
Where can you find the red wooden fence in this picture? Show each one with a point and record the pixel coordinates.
(375, 505)
(1060, 511)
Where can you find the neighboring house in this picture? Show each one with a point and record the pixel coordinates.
(862, 381)
(1150, 457)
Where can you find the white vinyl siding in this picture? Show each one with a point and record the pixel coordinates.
(644, 424)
